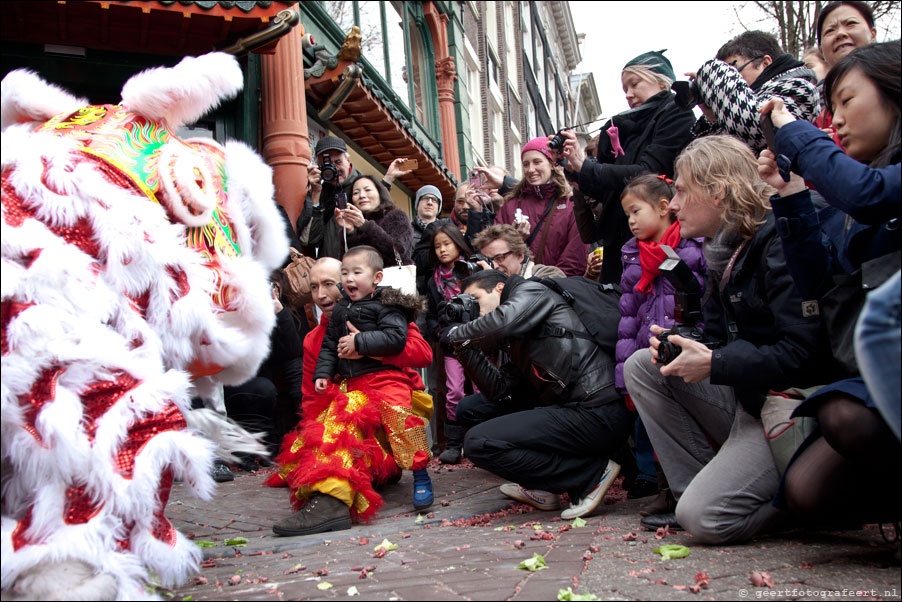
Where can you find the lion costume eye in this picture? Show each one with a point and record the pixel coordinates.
(186, 177)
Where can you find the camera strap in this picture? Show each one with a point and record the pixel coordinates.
(534, 233)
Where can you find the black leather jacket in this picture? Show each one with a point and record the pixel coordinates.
(560, 369)
(382, 320)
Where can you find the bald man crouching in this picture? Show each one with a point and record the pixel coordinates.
(331, 476)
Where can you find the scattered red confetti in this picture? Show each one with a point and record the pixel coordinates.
(695, 589)
(321, 572)
(380, 553)
(286, 555)
(631, 536)
(519, 543)
(234, 580)
(363, 541)
(362, 575)
(191, 535)
(702, 580)
(761, 579)
(661, 582)
(682, 588)
(445, 503)
(272, 591)
(587, 556)
(200, 581)
(405, 536)
(370, 568)
(805, 565)
(564, 528)
(430, 515)
(208, 563)
(594, 549)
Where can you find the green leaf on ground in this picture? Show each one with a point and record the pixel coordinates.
(577, 523)
(672, 551)
(323, 585)
(569, 594)
(389, 546)
(237, 541)
(202, 543)
(352, 591)
(536, 563)
(188, 599)
(419, 520)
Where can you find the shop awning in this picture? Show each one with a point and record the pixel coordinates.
(378, 128)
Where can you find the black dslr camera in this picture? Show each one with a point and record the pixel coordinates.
(328, 171)
(687, 311)
(459, 309)
(687, 94)
(467, 267)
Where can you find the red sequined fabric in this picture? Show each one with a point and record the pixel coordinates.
(18, 537)
(8, 311)
(162, 528)
(142, 431)
(43, 391)
(101, 396)
(79, 506)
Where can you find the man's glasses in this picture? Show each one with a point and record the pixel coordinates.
(745, 64)
(500, 257)
(429, 199)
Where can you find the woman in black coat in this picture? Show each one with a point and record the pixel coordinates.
(372, 219)
(645, 139)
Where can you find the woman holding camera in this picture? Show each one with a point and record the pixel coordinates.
(539, 206)
(646, 138)
(448, 246)
(372, 219)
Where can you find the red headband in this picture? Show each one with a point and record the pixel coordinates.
(666, 179)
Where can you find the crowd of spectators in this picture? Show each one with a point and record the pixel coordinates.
(758, 393)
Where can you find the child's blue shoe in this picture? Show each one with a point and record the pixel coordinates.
(422, 489)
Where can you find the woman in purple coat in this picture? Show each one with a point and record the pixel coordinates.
(647, 298)
(543, 197)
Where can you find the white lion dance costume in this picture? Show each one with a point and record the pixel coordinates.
(135, 270)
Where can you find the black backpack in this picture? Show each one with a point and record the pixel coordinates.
(596, 304)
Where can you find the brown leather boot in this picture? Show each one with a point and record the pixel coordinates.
(664, 502)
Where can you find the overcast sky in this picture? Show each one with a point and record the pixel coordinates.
(690, 31)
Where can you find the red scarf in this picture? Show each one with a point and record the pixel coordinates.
(651, 255)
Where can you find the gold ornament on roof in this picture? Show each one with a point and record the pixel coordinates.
(350, 49)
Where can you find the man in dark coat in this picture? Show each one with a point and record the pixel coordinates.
(319, 233)
(702, 410)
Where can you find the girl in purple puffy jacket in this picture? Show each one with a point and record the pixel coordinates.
(647, 296)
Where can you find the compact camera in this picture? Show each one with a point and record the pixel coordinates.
(459, 309)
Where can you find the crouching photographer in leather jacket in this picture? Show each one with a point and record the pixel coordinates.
(572, 417)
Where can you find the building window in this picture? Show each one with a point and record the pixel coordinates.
(475, 106)
(510, 46)
(397, 49)
(494, 72)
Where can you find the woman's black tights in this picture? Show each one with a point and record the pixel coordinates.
(852, 471)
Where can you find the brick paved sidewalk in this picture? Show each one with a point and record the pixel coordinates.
(449, 555)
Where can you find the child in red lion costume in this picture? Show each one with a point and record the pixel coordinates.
(135, 272)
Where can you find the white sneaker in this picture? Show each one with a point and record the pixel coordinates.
(543, 500)
(589, 503)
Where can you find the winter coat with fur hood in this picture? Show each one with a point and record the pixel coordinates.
(382, 320)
